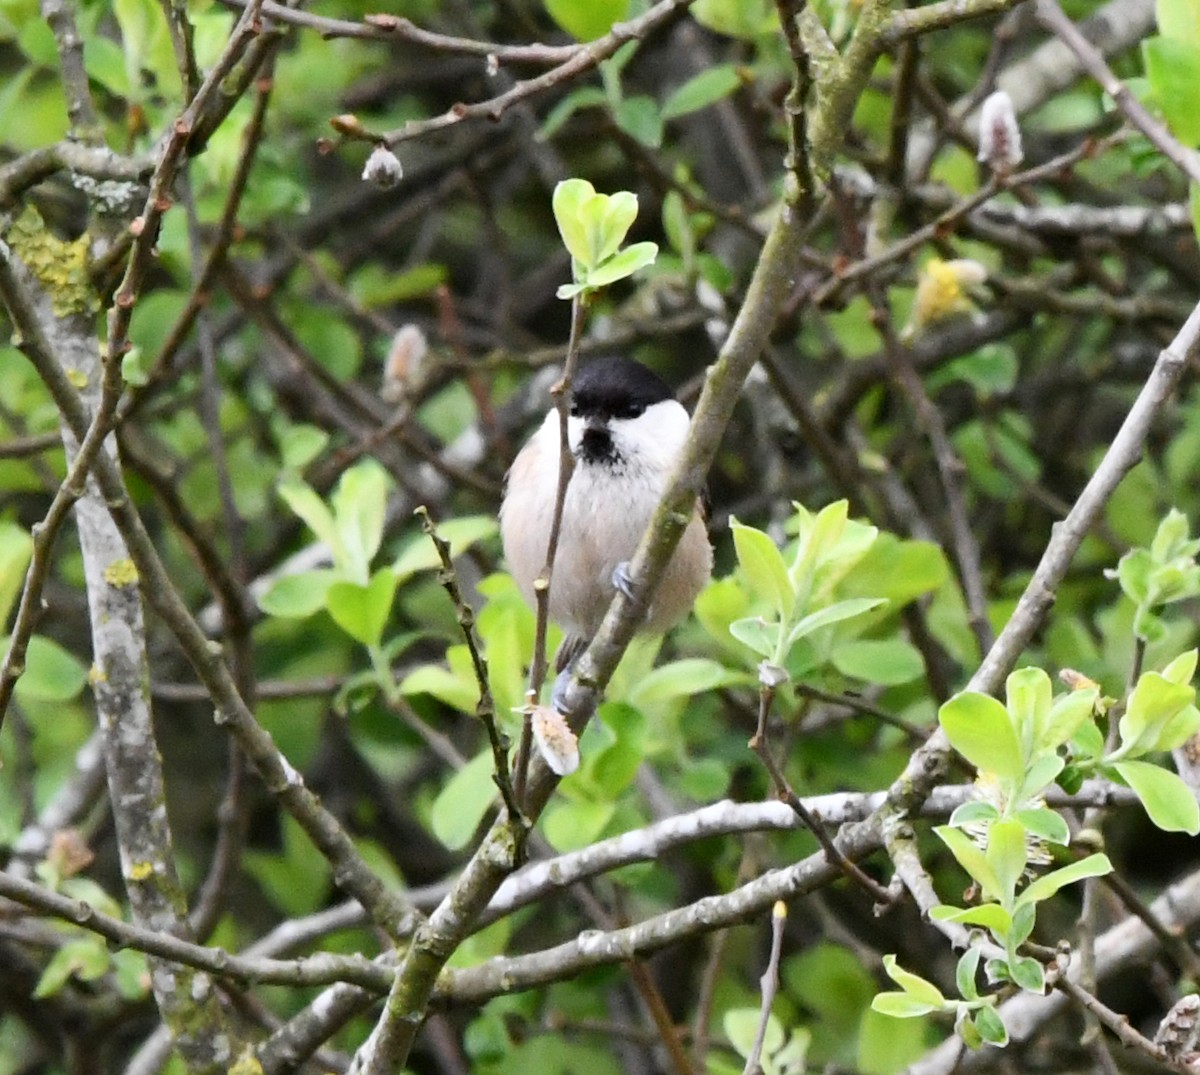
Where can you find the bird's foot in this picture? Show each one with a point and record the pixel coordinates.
(622, 579)
(558, 695)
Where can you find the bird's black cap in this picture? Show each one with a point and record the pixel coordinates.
(616, 388)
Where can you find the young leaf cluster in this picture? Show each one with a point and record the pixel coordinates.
(975, 1017)
(799, 591)
(1035, 739)
(593, 226)
(1017, 749)
(358, 597)
(1163, 573)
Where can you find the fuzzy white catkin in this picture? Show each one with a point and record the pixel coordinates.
(383, 168)
(999, 135)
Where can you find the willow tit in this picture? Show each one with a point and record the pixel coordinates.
(625, 431)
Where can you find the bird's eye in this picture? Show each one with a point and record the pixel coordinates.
(574, 409)
(632, 410)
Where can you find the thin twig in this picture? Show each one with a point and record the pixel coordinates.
(395, 28)
(768, 984)
(541, 585)
(761, 746)
(485, 708)
(314, 970)
(20, 447)
(1121, 1027)
(584, 60)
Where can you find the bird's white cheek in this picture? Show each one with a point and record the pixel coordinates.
(575, 428)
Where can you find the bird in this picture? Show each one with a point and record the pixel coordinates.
(625, 430)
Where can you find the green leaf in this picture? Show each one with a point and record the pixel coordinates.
(762, 563)
(1049, 884)
(135, 20)
(991, 916)
(300, 444)
(913, 984)
(640, 118)
(1133, 574)
(376, 288)
(462, 803)
(678, 226)
(980, 729)
(584, 97)
(624, 264)
(1045, 824)
(991, 1026)
(313, 511)
(704, 780)
(52, 674)
(585, 20)
(741, 1028)
(1007, 855)
(1154, 702)
(1027, 973)
(971, 859)
(965, 971)
(702, 90)
(1028, 693)
(570, 826)
(835, 613)
(755, 632)
(297, 596)
(420, 555)
(296, 878)
(902, 1005)
(567, 201)
(1182, 669)
(459, 692)
(965, 1028)
(889, 661)
(104, 62)
(1178, 730)
(1040, 774)
(737, 18)
(1173, 68)
(1179, 19)
(611, 69)
(1088, 741)
(990, 371)
(1168, 800)
(359, 507)
(973, 811)
(682, 679)
(130, 973)
(16, 550)
(1068, 712)
(620, 211)
(1023, 920)
(85, 959)
(898, 570)
(885, 1045)
(819, 536)
(363, 611)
